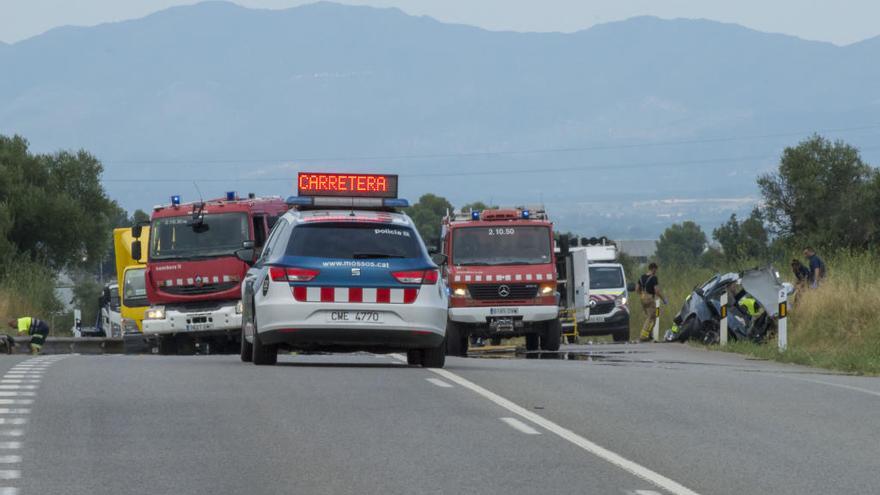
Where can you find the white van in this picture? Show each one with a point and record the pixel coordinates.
(609, 294)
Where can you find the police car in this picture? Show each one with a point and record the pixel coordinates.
(344, 270)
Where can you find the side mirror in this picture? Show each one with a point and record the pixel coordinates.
(136, 232)
(246, 254)
(631, 287)
(439, 259)
(136, 249)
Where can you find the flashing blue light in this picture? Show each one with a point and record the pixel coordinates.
(230, 196)
(526, 214)
(475, 215)
(299, 201)
(175, 200)
(396, 203)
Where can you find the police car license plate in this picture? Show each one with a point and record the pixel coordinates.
(503, 311)
(355, 317)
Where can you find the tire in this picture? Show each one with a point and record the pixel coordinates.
(247, 349)
(434, 357)
(621, 335)
(186, 346)
(532, 341)
(495, 341)
(263, 355)
(551, 337)
(414, 357)
(456, 339)
(167, 345)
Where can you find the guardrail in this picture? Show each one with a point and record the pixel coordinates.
(71, 345)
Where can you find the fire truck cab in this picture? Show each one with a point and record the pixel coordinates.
(501, 273)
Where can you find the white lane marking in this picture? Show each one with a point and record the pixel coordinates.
(839, 385)
(18, 387)
(10, 445)
(646, 492)
(627, 465)
(520, 426)
(8, 490)
(439, 383)
(10, 459)
(17, 381)
(10, 474)
(19, 410)
(12, 433)
(7, 393)
(13, 421)
(19, 402)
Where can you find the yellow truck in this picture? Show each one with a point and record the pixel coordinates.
(130, 277)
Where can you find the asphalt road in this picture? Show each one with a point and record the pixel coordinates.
(615, 419)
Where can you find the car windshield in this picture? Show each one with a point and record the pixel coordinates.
(499, 245)
(134, 289)
(218, 235)
(343, 240)
(606, 277)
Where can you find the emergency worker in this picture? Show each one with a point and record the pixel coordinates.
(817, 267)
(37, 329)
(648, 289)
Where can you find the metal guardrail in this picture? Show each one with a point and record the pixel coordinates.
(71, 345)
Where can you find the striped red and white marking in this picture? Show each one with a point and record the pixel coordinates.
(602, 297)
(355, 295)
(518, 277)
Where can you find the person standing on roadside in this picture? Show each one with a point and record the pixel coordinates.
(648, 289)
(37, 329)
(817, 267)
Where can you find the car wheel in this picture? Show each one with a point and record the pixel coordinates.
(247, 349)
(552, 335)
(456, 339)
(621, 335)
(167, 345)
(263, 354)
(434, 357)
(532, 340)
(414, 357)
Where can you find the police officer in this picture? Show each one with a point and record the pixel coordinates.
(37, 329)
(648, 288)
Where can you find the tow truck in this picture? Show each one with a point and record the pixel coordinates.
(132, 289)
(194, 273)
(501, 272)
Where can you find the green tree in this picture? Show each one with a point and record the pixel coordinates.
(428, 215)
(476, 206)
(743, 240)
(822, 193)
(681, 244)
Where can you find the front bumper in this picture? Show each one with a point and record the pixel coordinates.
(615, 321)
(481, 315)
(178, 321)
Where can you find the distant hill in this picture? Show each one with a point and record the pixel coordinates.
(218, 92)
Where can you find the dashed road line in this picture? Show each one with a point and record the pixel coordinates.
(13, 421)
(439, 383)
(17, 402)
(10, 393)
(10, 445)
(520, 426)
(10, 474)
(10, 459)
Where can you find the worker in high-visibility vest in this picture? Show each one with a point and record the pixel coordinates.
(37, 329)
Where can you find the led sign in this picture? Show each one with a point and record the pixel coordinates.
(350, 185)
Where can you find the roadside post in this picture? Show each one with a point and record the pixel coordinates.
(656, 332)
(722, 327)
(782, 323)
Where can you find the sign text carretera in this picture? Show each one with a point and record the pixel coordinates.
(361, 185)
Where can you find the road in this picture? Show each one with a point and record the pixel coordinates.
(633, 419)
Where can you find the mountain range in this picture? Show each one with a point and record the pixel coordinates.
(619, 129)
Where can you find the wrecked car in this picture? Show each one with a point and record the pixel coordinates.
(751, 312)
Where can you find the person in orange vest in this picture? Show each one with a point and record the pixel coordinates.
(37, 329)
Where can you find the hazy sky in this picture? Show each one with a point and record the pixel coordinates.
(838, 21)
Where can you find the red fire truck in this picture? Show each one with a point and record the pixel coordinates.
(501, 274)
(198, 254)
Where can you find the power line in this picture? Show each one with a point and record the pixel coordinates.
(472, 154)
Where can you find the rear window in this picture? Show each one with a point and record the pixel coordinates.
(353, 241)
(606, 277)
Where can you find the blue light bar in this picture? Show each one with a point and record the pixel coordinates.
(396, 203)
(475, 215)
(230, 195)
(300, 201)
(526, 214)
(175, 200)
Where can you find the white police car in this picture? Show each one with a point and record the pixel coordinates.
(344, 271)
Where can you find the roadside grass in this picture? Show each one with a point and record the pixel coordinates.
(27, 289)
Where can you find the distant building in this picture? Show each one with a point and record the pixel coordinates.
(641, 250)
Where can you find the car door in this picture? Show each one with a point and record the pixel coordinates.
(256, 274)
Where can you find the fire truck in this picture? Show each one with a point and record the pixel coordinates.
(501, 273)
(198, 254)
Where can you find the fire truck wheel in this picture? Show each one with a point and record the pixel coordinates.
(167, 345)
(263, 354)
(435, 357)
(552, 335)
(456, 339)
(414, 357)
(532, 341)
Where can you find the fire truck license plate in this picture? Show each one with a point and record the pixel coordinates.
(503, 311)
(355, 317)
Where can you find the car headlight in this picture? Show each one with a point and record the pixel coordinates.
(129, 325)
(620, 301)
(239, 308)
(459, 291)
(155, 313)
(547, 289)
